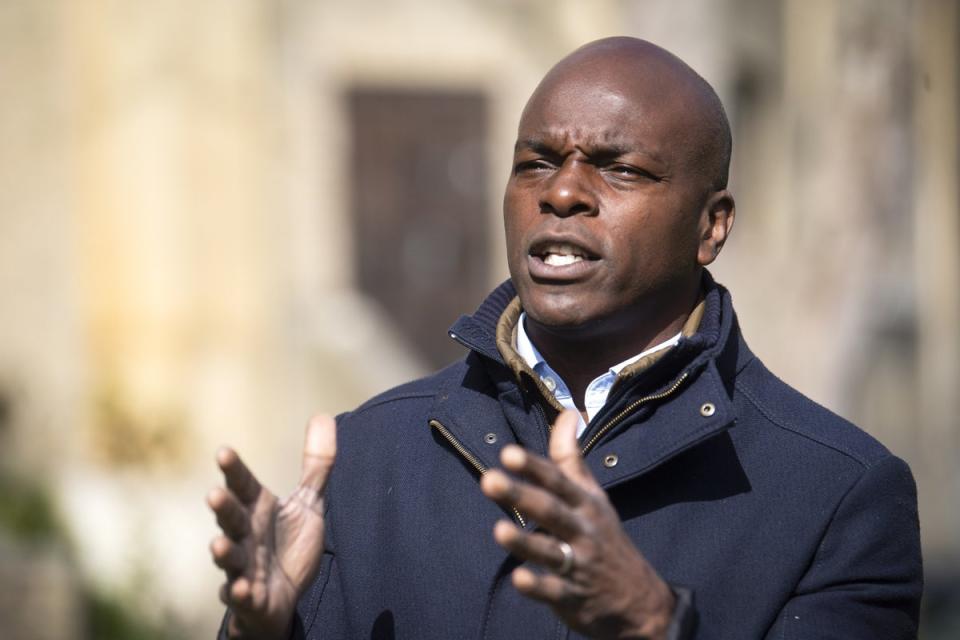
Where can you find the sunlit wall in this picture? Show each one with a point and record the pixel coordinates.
(179, 247)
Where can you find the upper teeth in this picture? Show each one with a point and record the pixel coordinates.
(560, 259)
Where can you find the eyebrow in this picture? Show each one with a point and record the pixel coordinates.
(603, 150)
(535, 144)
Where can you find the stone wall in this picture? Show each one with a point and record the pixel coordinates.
(176, 255)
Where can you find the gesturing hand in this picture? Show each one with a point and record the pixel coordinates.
(597, 581)
(270, 548)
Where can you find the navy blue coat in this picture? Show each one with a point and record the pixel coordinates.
(782, 519)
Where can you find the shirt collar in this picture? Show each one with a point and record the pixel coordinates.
(599, 388)
(532, 356)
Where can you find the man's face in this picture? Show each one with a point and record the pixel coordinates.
(603, 204)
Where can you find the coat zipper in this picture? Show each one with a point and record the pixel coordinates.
(630, 409)
(543, 416)
(617, 419)
(472, 459)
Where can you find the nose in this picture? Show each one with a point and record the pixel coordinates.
(567, 192)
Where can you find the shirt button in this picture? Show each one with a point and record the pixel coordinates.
(611, 461)
(707, 409)
(549, 383)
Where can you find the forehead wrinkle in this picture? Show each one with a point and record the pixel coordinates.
(606, 143)
(642, 74)
(562, 137)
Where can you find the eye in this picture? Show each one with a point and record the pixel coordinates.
(532, 166)
(628, 172)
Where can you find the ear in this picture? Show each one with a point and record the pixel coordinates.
(716, 221)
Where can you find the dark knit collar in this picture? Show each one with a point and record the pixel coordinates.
(478, 331)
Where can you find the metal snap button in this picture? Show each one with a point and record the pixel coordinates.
(707, 409)
(490, 438)
(611, 461)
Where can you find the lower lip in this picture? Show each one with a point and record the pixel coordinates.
(572, 272)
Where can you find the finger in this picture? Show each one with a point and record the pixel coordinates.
(237, 626)
(565, 451)
(542, 472)
(532, 547)
(240, 595)
(319, 451)
(260, 575)
(234, 628)
(239, 479)
(549, 511)
(236, 595)
(548, 588)
(228, 556)
(232, 516)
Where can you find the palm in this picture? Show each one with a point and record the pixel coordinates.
(272, 547)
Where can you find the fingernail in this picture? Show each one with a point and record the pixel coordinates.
(523, 578)
(495, 483)
(502, 531)
(513, 456)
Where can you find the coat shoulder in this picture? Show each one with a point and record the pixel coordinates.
(785, 408)
(419, 391)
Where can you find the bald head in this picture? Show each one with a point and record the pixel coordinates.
(616, 201)
(662, 88)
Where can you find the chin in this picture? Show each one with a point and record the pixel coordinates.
(563, 314)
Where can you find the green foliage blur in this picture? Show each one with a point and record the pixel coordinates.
(28, 517)
(27, 513)
(110, 619)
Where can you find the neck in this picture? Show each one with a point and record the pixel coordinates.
(579, 356)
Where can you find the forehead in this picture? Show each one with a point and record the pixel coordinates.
(584, 108)
(570, 107)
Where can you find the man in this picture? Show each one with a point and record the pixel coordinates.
(689, 493)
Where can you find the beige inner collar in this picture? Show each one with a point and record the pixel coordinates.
(506, 336)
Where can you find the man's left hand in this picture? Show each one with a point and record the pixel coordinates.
(595, 580)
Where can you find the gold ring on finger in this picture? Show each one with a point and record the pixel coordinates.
(567, 564)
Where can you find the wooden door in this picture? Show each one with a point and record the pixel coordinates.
(419, 207)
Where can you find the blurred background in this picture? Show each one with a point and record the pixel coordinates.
(210, 211)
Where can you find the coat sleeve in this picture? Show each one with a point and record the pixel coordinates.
(866, 578)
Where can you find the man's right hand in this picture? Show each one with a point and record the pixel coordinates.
(270, 548)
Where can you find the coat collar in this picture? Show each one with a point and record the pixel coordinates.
(509, 407)
(713, 321)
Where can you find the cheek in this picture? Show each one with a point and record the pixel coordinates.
(509, 217)
(653, 249)
(518, 217)
(513, 235)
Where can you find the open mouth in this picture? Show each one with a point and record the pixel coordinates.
(560, 254)
(560, 262)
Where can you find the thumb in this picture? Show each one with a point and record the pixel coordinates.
(319, 451)
(564, 449)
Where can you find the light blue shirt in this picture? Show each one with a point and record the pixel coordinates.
(597, 391)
